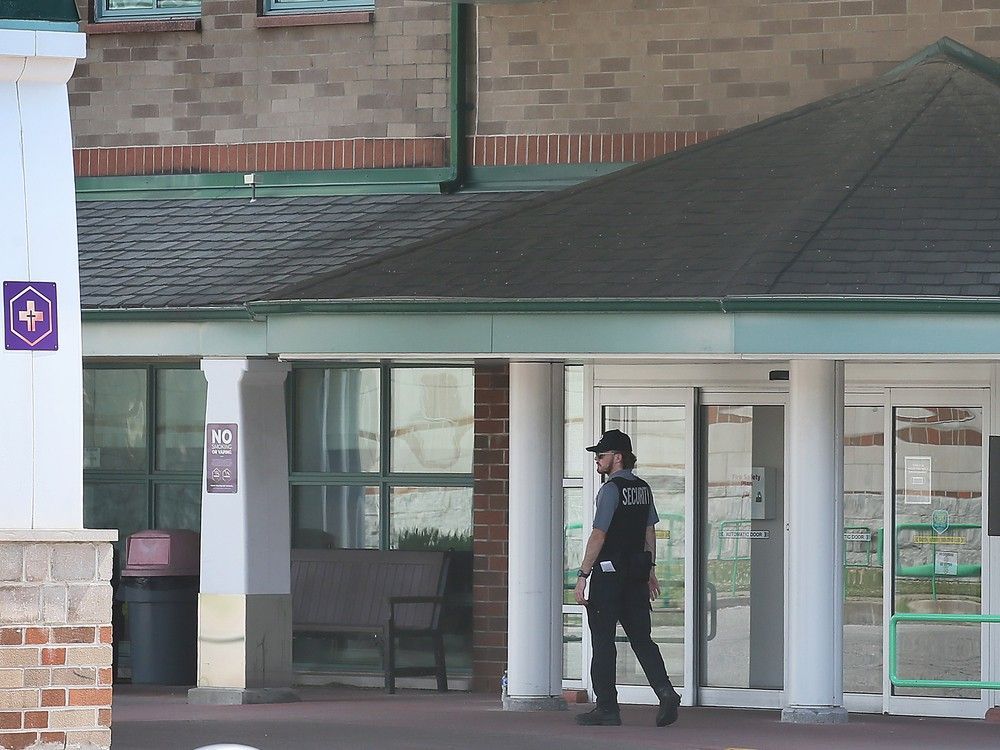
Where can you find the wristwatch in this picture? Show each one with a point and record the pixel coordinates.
(581, 574)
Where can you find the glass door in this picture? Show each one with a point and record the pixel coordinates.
(742, 562)
(660, 423)
(934, 557)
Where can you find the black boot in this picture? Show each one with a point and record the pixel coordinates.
(666, 714)
(599, 717)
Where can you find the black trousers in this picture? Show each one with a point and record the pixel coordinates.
(615, 599)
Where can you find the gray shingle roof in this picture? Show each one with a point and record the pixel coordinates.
(889, 189)
(187, 253)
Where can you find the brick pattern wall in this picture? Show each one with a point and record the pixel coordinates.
(55, 645)
(233, 82)
(597, 66)
(489, 527)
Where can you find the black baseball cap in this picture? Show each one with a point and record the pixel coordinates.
(612, 440)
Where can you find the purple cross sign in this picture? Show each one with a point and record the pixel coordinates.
(29, 316)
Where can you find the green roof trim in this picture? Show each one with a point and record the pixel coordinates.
(949, 48)
(39, 10)
(727, 305)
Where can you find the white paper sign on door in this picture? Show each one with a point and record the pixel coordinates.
(917, 480)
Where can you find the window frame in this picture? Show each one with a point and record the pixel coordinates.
(303, 7)
(385, 479)
(104, 14)
(149, 475)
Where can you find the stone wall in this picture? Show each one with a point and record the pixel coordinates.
(55, 643)
(490, 527)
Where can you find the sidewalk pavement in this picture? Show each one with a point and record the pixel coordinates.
(148, 718)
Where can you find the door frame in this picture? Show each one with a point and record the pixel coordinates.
(973, 708)
(685, 397)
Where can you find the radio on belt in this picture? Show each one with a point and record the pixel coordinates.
(763, 489)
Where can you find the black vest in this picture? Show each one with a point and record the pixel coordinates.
(627, 532)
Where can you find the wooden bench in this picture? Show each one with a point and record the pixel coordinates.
(385, 592)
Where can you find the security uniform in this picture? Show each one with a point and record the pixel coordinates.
(624, 511)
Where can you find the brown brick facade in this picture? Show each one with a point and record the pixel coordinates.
(572, 67)
(489, 527)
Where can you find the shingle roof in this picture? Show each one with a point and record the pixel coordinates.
(889, 189)
(186, 253)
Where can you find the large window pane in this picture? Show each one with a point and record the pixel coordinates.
(575, 456)
(335, 517)
(863, 507)
(432, 420)
(430, 518)
(336, 427)
(938, 454)
(180, 419)
(114, 420)
(178, 506)
(572, 646)
(116, 505)
(573, 534)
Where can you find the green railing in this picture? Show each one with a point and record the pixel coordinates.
(929, 570)
(898, 681)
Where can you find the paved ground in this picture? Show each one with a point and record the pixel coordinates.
(334, 718)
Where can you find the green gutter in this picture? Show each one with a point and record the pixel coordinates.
(456, 143)
(727, 305)
(165, 314)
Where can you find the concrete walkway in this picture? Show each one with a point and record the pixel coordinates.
(333, 718)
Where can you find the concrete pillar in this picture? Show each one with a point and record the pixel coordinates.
(534, 608)
(245, 604)
(814, 691)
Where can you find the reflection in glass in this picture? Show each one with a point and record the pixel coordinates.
(938, 542)
(180, 419)
(336, 420)
(335, 517)
(863, 508)
(119, 505)
(178, 506)
(430, 518)
(114, 419)
(573, 534)
(659, 439)
(572, 646)
(432, 420)
(575, 457)
(743, 557)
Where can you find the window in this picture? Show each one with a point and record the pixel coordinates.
(143, 432)
(124, 10)
(381, 458)
(315, 6)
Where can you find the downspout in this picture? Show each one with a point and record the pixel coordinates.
(456, 143)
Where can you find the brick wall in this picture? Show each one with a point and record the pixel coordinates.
(233, 82)
(55, 645)
(591, 66)
(489, 527)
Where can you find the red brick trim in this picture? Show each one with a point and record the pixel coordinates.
(378, 153)
(313, 19)
(142, 27)
(490, 527)
(580, 148)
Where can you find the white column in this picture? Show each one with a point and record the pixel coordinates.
(41, 440)
(535, 546)
(244, 608)
(814, 690)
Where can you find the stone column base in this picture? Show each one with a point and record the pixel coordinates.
(207, 696)
(534, 703)
(814, 715)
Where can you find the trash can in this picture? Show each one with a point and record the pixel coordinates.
(159, 584)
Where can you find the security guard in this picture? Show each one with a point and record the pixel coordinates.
(619, 563)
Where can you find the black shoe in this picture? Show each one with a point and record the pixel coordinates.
(666, 714)
(599, 717)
